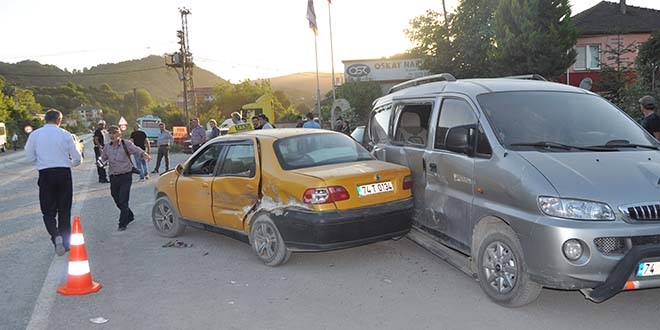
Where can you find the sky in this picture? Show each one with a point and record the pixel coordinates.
(236, 40)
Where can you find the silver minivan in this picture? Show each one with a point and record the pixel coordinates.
(535, 184)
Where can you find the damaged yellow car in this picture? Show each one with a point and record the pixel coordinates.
(286, 190)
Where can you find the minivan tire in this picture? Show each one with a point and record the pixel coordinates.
(165, 219)
(267, 242)
(501, 268)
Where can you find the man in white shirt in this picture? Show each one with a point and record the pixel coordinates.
(54, 151)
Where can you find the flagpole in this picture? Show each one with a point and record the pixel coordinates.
(332, 55)
(318, 90)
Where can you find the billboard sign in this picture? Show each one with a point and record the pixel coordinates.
(384, 69)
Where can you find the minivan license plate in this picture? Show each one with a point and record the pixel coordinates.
(375, 188)
(648, 269)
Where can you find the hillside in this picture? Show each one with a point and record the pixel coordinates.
(150, 73)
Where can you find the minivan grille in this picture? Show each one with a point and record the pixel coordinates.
(642, 212)
(610, 245)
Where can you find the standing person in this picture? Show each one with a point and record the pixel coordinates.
(215, 131)
(235, 119)
(116, 153)
(54, 151)
(165, 138)
(14, 141)
(197, 134)
(651, 121)
(310, 123)
(255, 122)
(299, 121)
(139, 138)
(100, 135)
(263, 122)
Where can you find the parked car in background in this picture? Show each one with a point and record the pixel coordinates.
(79, 144)
(537, 184)
(286, 190)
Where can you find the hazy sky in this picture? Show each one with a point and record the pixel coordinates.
(234, 39)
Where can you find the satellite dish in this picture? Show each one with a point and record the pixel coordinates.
(586, 83)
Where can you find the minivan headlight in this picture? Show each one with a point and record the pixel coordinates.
(575, 209)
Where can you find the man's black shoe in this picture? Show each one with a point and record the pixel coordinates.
(154, 171)
(121, 228)
(104, 181)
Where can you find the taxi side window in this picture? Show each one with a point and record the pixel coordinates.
(205, 162)
(239, 161)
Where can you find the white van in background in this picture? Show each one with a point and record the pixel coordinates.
(3, 137)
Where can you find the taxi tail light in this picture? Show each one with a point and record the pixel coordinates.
(407, 182)
(325, 195)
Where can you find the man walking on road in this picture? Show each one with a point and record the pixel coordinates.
(165, 138)
(139, 138)
(100, 135)
(14, 141)
(54, 151)
(117, 153)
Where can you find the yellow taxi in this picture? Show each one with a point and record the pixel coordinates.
(286, 190)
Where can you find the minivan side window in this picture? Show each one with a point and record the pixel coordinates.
(379, 124)
(412, 124)
(453, 113)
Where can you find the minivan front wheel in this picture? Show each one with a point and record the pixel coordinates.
(501, 268)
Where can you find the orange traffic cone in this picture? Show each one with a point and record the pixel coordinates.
(79, 278)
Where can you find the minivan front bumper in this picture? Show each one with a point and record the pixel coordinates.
(601, 265)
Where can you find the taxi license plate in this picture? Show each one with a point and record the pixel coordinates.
(645, 269)
(375, 188)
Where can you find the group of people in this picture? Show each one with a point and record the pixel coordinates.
(53, 150)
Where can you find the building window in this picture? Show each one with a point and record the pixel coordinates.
(588, 57)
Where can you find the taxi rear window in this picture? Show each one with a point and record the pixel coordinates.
(311, 150)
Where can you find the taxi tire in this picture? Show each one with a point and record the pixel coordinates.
(500, 255)
(165, 219)
(267, 243)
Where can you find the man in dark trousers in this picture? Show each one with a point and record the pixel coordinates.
(165, 139)
(54, 151)
(651, 121)
(99, 141)
(116, 152)
(139, 138)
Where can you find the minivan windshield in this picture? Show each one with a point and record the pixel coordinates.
(561, 121)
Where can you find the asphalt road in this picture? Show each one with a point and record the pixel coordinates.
(218, 283)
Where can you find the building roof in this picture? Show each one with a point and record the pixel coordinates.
(607, 18)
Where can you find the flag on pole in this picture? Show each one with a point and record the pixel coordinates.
(311, 16)
(330, 1)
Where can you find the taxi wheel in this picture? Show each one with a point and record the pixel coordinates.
(267, 242)
(501, 268)
(166, 221)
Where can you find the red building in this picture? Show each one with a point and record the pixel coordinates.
(608, 24)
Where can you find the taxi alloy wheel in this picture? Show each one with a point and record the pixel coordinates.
(267, 242)
(165, 218)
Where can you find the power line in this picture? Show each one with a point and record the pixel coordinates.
(79, 74)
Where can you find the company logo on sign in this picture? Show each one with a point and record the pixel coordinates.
(358, 70)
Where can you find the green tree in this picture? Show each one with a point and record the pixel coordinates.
(431, 40)
(647, 63)
(534, 36)
(616, 72)
(473, 38)
(361, 95)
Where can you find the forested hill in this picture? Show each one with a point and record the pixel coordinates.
(149, 73)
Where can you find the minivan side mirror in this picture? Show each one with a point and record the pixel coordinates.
(459, 139)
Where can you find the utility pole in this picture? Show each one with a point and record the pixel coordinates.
(183, 60)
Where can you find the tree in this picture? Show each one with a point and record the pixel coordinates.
(361, 95)
(473, 38)
(534, 36)
(648, 63)
(431, 40)
(616, 73)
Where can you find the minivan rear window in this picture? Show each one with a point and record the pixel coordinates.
(575, 119)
